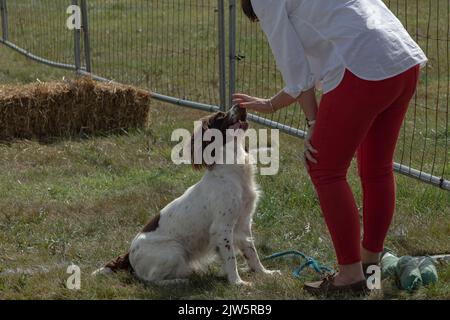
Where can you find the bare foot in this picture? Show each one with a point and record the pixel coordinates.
(369, 257)
(344, 280)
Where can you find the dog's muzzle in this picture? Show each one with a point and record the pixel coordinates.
(238, 118)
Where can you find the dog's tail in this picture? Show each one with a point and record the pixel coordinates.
(121, 263)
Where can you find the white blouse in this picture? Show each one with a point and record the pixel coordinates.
(314, 41)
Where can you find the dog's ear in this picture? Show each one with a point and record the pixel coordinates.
(215, 121)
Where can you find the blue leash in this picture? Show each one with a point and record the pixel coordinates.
(310, 262)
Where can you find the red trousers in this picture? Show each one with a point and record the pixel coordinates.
(362, 117)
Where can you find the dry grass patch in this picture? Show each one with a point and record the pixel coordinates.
(70, 108)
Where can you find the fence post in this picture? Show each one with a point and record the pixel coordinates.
(86, 38)
(4, 14)
(232, 51)
(77, 43)
(222, 55)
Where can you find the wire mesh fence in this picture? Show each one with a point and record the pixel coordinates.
(197, 52)
(169, 47)
(38, 29)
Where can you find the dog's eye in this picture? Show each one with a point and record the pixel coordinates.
(217, 121)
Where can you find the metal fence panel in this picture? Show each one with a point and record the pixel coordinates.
(4, 20)
(39, 27)
(424, 141)
(168, 46)
(178, 49)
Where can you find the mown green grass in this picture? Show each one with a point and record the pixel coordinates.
(82, 201)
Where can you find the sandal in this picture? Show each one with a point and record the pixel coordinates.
(327, 288)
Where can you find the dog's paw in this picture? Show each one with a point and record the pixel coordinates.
(242, 283)
(101, 271)
(271, 272)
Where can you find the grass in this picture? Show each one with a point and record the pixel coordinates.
(171, 48)
(82, 200)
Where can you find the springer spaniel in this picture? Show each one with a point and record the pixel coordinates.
(212, 216)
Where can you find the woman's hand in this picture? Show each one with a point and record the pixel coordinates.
(253, 103)
(309, 149)
(282, 99)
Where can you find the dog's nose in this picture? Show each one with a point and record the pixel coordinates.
(233, 112)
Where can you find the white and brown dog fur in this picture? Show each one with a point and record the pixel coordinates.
(212, 217)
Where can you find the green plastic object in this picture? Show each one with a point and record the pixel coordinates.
(427, 270)
(408, 273)
(388, 265)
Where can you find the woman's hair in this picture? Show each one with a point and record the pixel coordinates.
(248, 10)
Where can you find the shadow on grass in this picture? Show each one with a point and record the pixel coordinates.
(198, 286)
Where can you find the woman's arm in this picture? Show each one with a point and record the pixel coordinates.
(279, 101)
(307, 100)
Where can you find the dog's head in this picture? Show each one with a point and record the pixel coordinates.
(234, 119)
